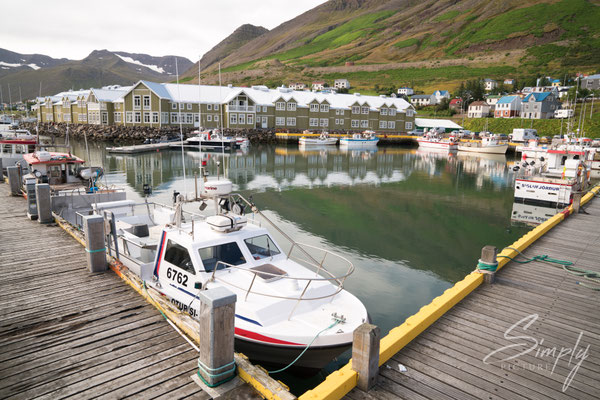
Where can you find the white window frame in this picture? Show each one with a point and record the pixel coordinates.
(137, 117)
(409, 113)
(155, 117)
(355, 109)
(291, 106)
(209, 117)
(324, 107)
(279, 121)
(149, 105)
(250, 119)
(355, 123)
(147, 117)
(117, 117)
(364, 123)
(392, 112)
(174, 118)
(209, 107)
(216, 118)
(324, 122)
(291, 121)
(233, 119)
(242, 119)
(164, 118)
(129, 117)
(189, 106)
(382, 124)
(173, 106)
(189, 118)
(280, 106)
(391, 124)
(137, 102)
(383, 111)
(408, 126)
(313, 122)
(364, 110)
(314, 107)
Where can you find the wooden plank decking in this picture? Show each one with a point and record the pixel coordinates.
(446, 360)
(67, 333)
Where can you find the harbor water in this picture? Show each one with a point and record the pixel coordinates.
(412, 222)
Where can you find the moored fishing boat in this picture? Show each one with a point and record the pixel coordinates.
(14, 144)
(212, 140)
(435, 141)
(488, 144)
(322, 140)
(287, 301)
(360, 140)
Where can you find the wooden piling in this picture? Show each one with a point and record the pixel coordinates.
(44, 203)
(577, 201)
(365, 355)
(93, 228)
(217, 314)
(13, 180)
(489, 255)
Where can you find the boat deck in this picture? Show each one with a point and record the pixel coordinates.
(65, 332)
(446, 360)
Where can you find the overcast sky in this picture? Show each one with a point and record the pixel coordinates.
(73, 29)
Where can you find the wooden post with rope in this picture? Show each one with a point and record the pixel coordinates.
(365, 355)
(488, 264)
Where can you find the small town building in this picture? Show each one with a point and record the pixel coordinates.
(508, 107)
(406, 91)
(422, 100)
(509, 81)
(540, 105)
(341, 84)
(479, 109)
(441, 95)
(456, 104)
(432, 123)
(564, 113)
(555, 82)
(591, 82)
(489, 84)
(318, 85)
(297, 86)
(492, 99)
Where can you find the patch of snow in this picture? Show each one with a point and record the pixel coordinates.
(33, 66)
(5, 68)
(136, 62)
(9, 65)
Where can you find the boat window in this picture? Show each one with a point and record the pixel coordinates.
(228, 253)
(18, 149)
(179, 256)
(7, 148)
(55, 171)
(262, 247)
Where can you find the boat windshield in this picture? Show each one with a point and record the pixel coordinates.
(229, 253)
(262, 247)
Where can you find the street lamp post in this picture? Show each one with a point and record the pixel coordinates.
(579, 125)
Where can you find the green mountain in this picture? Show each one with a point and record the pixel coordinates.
(424, 43)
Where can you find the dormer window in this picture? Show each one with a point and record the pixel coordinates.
(314, 107)
(324, 107)
(280, 106)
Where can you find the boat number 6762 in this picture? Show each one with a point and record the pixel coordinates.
(177, 276)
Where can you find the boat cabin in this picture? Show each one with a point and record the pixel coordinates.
(55, 168)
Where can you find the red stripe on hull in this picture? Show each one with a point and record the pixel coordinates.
(262, 338)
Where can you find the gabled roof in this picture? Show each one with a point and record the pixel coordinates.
(507, 99)
(479, 103)
(110, 95)
(421, 96)
(596, 76)
(538, 96)
(442, 92)
(455, 101)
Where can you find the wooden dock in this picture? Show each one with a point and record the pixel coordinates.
(65, 332)
(446, 361)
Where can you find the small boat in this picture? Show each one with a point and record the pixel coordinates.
(322, 140)
(162, 139)
(436, 141)
(287, 301)
(488, 144)
(14, 144)
(360, 140)
(211, 140)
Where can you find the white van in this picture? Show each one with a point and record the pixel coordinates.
(523, 135)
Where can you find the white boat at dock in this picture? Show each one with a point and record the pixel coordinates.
(284, 298)
(14, 144)
(436, 141)
(211, 140)
(323, 140)
(360, 140)
(488, 144)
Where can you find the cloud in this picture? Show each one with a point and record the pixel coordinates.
(72, 29)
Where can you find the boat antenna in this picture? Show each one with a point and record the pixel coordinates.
(221, 122)
(2, 101)
(180, 126)
(9, 100)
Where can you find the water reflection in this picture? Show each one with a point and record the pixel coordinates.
(530, 214)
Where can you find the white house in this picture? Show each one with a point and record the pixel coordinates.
(406, 91)
(318, 85)
(423, 100)
(479, 109)
(297, 86)
(489, 84)
(508, 107)
(509, 81)
(341, 84)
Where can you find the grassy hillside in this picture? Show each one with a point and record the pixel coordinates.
(545, 127)
(426, 44)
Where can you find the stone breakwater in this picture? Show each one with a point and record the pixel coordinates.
(137, 134)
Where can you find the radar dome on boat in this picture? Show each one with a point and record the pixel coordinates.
(217, 188)
(226, 223)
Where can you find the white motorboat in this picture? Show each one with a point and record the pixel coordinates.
(360, 140)
(435, 141)
(488, 144)
(322, 140)
(284, 298)
(211, 140)
(14, 144)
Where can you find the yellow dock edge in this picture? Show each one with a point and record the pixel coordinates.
(339, 383)
(285, 135)
(256, 377)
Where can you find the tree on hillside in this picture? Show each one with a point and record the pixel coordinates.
(544, 81)
(442, 105)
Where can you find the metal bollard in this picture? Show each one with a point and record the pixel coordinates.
(13, 180)
(217, 314)
(44, 203)
(365, 355)
(93, 228)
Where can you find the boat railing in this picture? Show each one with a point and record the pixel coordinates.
(321, 274)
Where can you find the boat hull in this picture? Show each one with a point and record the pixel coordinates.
(358, 143)
(311, 362)
(543, 191)
(437, 145)
(317, 142)
(500, 149)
